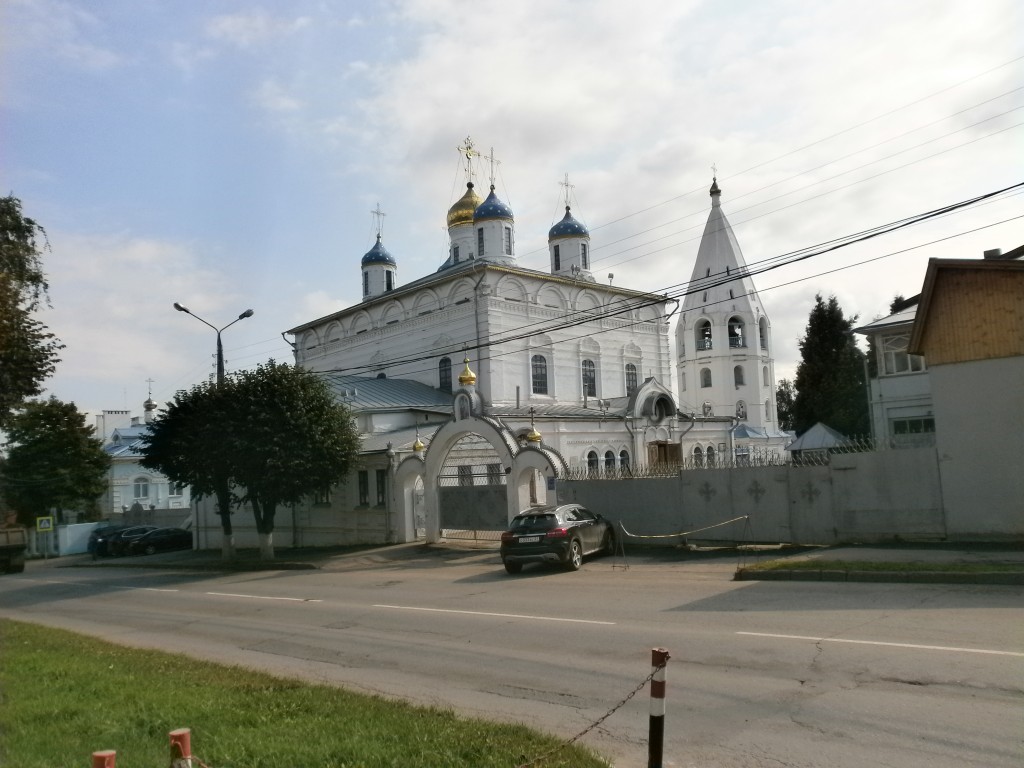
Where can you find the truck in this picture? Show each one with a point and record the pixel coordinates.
(13, 542)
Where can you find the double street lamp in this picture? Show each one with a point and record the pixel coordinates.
(220, 347)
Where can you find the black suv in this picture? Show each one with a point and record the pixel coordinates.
(562, 534)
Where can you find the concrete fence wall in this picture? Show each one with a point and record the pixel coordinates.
(862, 497)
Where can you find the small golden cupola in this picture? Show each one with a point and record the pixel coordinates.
(467, 377)
(462, 212)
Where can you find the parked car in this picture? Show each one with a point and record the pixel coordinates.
(160, 540)
(555, 534)
(118, 541)
(99, 537)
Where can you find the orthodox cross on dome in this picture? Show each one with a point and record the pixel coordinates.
(568, 188)
(494, 163)
(150, 382)
(714, 171)
(379, 214)
(468, 152)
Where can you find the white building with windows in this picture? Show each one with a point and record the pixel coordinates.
(589, 364)
(130, 486)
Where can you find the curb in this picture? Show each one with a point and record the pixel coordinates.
(1011, 578)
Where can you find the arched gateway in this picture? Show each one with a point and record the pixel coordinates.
(475, 474)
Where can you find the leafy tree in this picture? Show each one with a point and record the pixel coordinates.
(785, 394)
(276, 433)
(28, 351)
(830, 378)
(54, 461)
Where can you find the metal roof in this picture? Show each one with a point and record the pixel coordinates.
(363, 393)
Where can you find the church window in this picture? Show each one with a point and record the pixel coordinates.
(558, 259)
(705, 377)
(583, 256)
(630, 378)
(609, 461)
(390, 279)
(444, 374)
(737, 376)
(455, 254)
(508, 241)
(589, 378)
(366, 283)
(364, 488)
(710, 455)
(682, 381)
(593, 463)
(741, 410)
(702, 332)
(141, 487)
(767, 410)
(698, 456)
(539, 374)
(737, 339)
(764, 375)
(480, 241)
(623, 460)
(762, 326)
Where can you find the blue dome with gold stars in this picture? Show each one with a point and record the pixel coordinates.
(492, 208)
(568, 227)
(379, 255)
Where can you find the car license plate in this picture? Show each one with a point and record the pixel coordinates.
(529, 539)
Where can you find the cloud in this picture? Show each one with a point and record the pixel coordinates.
(272, 96)
(60, 29)
(246, 30)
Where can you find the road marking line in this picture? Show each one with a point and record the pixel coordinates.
(265, 597)
(499, 615)
(891, 645)
(153, 589)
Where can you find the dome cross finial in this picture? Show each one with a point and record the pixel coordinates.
(568, 189)
(468, 152)
(379, 215)
(494, 163)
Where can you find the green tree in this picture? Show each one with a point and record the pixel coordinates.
(54, 461)
(276, 432)
(830, 378)
(28, 351)
(785, 394)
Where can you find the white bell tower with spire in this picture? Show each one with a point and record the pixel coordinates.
(723, 341)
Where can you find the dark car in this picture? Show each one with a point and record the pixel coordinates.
(99, 537)
(555, 534)
(160, 540)
(118, 541)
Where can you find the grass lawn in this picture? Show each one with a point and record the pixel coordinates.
(64, 696)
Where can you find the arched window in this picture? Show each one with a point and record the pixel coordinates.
(589, 378)
(705, 377)
(583, 256)
(767, 410)
(630, 378)
(623, 460)
(558, 259)
(741, 410)
(609, 461)
(711, 456)
(539, 366)
(140, 487)
(682, 381)
(698, 457)
(737, 338)
(702, 334)
(764, 375)
(762, 327)
(444, 374)
(593, 463)
(737, 376)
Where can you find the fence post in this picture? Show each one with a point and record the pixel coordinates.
(181, 748)
(656, 738)
(105, 758)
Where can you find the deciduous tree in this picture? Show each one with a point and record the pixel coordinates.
(830, 377)
(54, 461)
(785, 393)
(28, 351)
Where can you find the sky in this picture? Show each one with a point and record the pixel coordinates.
(228, 155)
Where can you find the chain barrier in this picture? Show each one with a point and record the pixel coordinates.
(551, 752)
(681, 533)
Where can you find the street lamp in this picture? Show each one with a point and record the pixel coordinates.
(220, 347)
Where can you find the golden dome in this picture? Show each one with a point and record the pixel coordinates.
(533, 435)
(418, 446)
(462, 211)
(467, 376)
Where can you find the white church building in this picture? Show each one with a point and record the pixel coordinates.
(550, 373)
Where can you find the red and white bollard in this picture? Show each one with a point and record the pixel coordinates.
(656, 739)
(105, 758)
(181, 748)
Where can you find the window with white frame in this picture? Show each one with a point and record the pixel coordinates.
(508, 241)
(140, 488)
(539, 374)
(895, 359)
(589, 372)
(631, 378)
(175, 489)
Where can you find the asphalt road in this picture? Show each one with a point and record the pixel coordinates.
(761, 674)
